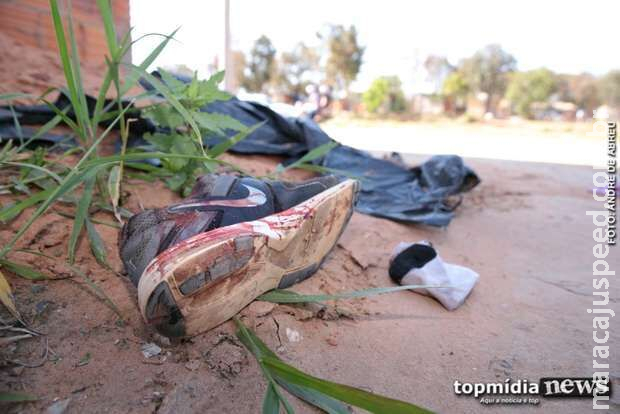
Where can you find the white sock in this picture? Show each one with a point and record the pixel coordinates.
(461, 280)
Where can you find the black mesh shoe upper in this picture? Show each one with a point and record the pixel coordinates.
(215, 201)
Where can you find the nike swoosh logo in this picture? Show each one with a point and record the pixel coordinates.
(254, 198)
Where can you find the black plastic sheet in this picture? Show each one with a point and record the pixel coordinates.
(421, 194)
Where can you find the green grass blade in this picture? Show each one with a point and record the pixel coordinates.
(66, 61)
(137, 156)
(312, 397)
(55, 193)
(114, 186)
(23, 271)
(312, 155)
(14, 210)
(324, 170)
(6, 396)
(133, 76)
(99, 293)
(271, 402)
(70, 181)
(92, 220)
(48, 126)
(81, 213)
(13, 96)
(18, 126)
(288, 296)
(224, 146)
(108, 25)
(259, 350)
(63, 115)
(82, 114)
(368, 401)
(34, 167)
(97, 246)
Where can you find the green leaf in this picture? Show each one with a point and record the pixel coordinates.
(320, 391)
(161, 141)
(6, 297)
(288, 296)
(114, 185)
(312, 397)
(10, 212)
(222, 147)
(368, 401)
(82, 110)
(133, 76)
(259, 349)
(172, 82)
(97, 246)
(84, 360)
(172, 100)
(164, 116)
(80, 215)
(70, 181)
(48, 126)
(6, 396)
(217, 77)
(22, 270)
(271, 402)
(218, 123)
(62, 115)
(312, 155)
(176, 181)
(34, 167)
(12, 96)
(64, 52)
(108, 25)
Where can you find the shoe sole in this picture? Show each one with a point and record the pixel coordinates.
(205, 280)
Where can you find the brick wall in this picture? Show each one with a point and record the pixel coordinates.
(28, 22)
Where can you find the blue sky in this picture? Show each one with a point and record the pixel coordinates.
(565, 36)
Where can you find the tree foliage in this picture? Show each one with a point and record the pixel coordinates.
(455, 85)
(260, 65)
(385, 95)
(525, 88)
(438, 69)
(294, 68)
(582, 90)
(487, 71)
(345, 56)
(609, 88)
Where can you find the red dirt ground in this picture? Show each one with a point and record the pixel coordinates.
(523, 230)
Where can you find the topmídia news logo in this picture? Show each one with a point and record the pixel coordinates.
(523, 391)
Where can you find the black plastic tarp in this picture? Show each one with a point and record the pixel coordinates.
(421, 194)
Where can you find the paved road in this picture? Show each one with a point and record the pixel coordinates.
(515, 143)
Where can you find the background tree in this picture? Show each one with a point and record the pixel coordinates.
(261, 65)
(525, 88)
(455, 89)
(345, 56)
(582, 90)
(487, 71)
(295, 69)
(437, 69)
(385, 95)
(238, 67)
(609, 88)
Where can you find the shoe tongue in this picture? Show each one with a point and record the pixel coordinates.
(212, 185)
(191, 225)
